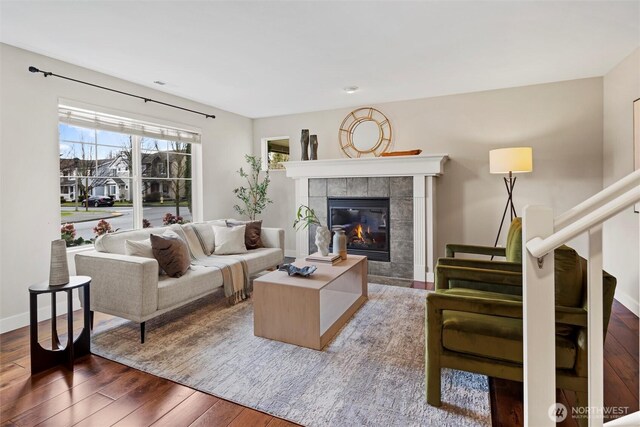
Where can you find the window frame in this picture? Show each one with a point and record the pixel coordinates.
(135, 176)
(264, 152)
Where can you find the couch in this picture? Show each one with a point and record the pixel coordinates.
(132, 288)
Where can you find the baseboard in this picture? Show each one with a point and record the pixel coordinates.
(628, 302)
(19, 320)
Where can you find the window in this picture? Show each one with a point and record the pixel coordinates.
(275, 150)
(130, 173)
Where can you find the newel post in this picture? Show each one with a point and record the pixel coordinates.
(538, 307)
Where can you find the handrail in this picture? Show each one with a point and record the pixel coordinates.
(538, 247)
(614, 190)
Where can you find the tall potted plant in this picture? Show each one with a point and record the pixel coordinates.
(254, 198)
(305, 217)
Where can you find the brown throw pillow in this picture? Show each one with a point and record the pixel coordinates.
(172, 254)
(252, 233)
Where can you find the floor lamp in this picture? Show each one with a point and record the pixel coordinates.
(509, 161)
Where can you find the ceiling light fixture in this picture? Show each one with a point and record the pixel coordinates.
(159, 82)
(351, 89)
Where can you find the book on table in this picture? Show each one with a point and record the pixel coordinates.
(329, 259)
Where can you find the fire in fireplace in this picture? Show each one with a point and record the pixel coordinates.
(365, 222)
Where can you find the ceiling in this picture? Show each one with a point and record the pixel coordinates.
(270, 58)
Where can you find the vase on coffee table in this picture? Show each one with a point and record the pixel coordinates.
(323, 238)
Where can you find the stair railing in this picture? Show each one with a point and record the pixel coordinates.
(543, 234)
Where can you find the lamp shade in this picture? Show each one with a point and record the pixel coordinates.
(514, 159)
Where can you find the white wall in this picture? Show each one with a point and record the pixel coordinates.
(561, 121)
(621, 241)
(29, 168)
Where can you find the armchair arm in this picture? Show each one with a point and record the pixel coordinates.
(438, 301)
(481, 263)
(446, 273)
(453, 248)
(571, 316)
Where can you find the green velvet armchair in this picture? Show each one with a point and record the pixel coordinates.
(474, 318)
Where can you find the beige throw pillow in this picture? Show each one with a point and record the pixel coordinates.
(229, 240)
(140, 248)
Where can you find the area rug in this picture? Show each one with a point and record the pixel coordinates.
(371, 374)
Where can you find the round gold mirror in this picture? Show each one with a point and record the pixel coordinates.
(365, 131)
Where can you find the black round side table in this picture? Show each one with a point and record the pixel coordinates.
(43, 359)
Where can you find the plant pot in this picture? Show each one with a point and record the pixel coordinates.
(323, 238)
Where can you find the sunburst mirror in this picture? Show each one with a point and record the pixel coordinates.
(365, 131)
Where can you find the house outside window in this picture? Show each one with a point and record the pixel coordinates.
(143, 176)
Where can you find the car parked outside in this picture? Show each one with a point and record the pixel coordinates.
(100, 201)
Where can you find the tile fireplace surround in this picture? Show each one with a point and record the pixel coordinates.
(408, 181)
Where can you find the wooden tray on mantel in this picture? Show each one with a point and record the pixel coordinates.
(401, 153)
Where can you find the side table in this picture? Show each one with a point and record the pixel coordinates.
(43, 359)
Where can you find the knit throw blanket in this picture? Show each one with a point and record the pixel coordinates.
(235, 272)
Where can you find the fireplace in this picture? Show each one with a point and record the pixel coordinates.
(365, 221)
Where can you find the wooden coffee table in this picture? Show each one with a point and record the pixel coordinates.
(309, 311)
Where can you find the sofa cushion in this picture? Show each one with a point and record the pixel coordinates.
(114, 243)
(196, 282)
(513, 247)
(172, 254)
(260, 259)
(495, 337)
(252, 233)
(205, 234)
(229, 240)
(140, 248)
(568, 277)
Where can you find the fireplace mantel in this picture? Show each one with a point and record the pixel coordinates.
(423, 169)
(430, 165)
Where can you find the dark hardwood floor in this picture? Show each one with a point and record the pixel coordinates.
(102, 393)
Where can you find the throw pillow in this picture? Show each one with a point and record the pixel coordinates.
(253, 231)
(206, 236)
(172, 254)
(568, 283)
(229, 240)
(514, 241)
(138, 248)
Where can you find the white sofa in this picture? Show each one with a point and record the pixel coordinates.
(130, 286)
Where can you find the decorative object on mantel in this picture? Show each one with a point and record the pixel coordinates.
(401, 153)
(304, 142)
(313, 142)
(254, 198)
(292, 270)
(58, 268)
(340, 242)
(365, 131)
(509, 161)
(305, 217)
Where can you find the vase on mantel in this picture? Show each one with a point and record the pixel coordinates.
(313, 145)
(304, 142)
(323, 238)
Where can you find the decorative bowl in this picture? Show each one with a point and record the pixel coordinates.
(292, 270)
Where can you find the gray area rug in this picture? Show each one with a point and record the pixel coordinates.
(371, 374)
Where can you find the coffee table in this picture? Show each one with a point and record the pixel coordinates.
(309, 311)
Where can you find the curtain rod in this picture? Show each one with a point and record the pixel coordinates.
(48, 73)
